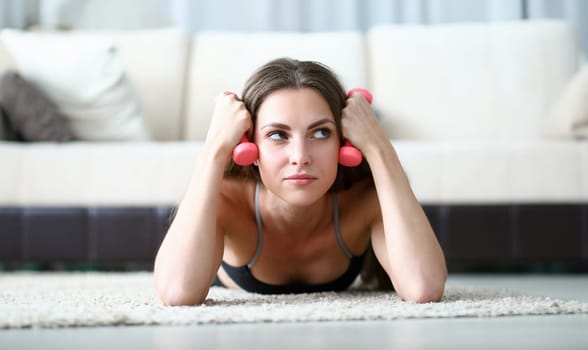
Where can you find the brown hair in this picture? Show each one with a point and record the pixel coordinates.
(287, 73)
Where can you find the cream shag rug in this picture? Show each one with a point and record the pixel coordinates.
(44, 300)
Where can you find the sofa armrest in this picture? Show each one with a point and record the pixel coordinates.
(569, 116)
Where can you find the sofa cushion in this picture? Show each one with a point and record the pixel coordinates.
(86, 80)
(6, 61)
(223, 61)
(30, 113)
(96, 174)
(476, 172)
(570, 114)
(150, 173)
(470, 81)
(155, 62)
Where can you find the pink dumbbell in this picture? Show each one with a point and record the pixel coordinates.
(246, 152)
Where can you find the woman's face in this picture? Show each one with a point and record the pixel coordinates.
(298, 145)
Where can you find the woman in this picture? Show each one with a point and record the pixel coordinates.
(296, 221)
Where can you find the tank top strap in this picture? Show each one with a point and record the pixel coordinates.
(259, 228)
(259, 224)
(337, 229)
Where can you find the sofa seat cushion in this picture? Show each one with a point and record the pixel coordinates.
(95, 174)
(153, 174)
(485, 172)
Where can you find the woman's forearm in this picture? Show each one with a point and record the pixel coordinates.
(191, 250)
(415, 259)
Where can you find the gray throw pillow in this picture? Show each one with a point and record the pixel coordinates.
(2, 125)
(7, 133)
(29, 112)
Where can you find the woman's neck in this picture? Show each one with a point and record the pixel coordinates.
(283, 218)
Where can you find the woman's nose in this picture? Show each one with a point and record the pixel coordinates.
(299, 154)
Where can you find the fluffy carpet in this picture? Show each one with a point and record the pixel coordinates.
(43, 300)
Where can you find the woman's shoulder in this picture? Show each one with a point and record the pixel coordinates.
(360, 197)
(236, 211)
(237, 193)
(362, 189)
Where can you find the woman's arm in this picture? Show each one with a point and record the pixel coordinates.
(402, 237)
(192, 249)
(190, 253)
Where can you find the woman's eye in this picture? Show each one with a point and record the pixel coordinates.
(321, 133)
(276, 135)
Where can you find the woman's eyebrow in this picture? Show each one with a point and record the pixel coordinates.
(276, 125)
(320, 122)
(287, 127)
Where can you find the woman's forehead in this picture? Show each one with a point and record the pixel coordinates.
(303, 104)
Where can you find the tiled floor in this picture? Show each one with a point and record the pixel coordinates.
(521, 332)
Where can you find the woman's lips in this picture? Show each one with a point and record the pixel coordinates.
(300, 179)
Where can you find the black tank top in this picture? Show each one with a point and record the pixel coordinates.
(243, 277)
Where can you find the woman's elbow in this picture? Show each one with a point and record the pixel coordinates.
(177, 296)
(425, 296)
(425, 292)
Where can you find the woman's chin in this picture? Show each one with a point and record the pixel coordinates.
(302, 197)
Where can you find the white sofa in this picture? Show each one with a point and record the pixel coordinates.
(490, 121)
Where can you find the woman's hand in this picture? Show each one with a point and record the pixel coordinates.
(230, 120)
(360, 125)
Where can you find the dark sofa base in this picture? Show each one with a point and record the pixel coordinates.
(96, 234)
(512, 233)
(471, 235)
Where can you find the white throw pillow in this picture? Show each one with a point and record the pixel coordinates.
(85, 78)
(569, 116)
